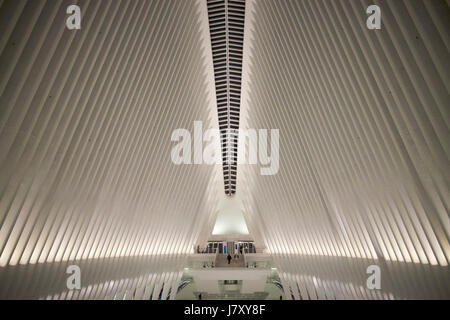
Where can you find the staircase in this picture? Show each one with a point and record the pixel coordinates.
(222, 262)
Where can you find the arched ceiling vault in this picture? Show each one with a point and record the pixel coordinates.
(86, 118)
(364, 144)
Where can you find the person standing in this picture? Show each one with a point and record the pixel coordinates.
(229, 258)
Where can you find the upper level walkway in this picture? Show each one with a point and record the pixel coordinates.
(237, 261)
(219, 260)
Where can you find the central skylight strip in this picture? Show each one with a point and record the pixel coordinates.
(226, 24)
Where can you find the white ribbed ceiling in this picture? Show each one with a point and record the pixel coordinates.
(86, 118)
(364, 144)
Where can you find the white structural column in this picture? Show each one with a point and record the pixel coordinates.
(364, 145)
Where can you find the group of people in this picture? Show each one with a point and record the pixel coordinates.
(236, 254)
(201, 251)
